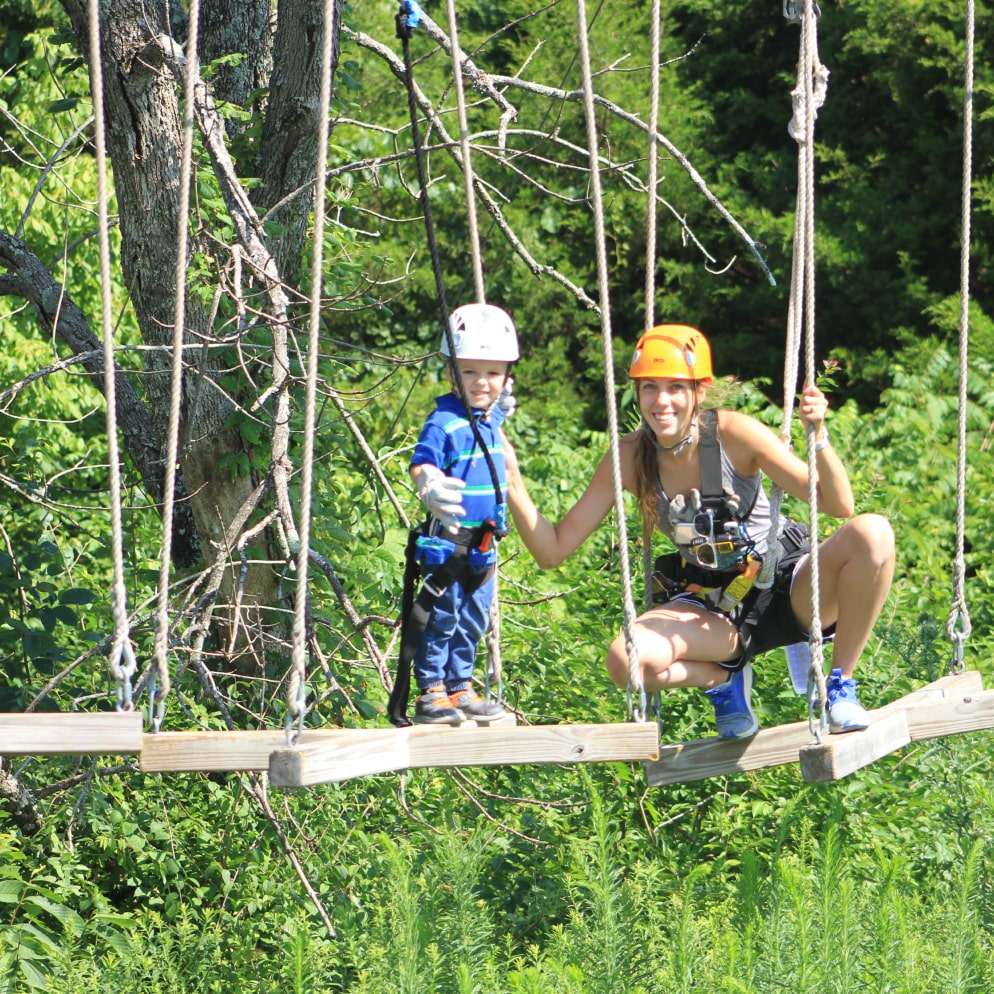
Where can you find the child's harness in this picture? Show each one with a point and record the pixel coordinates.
(438, 563)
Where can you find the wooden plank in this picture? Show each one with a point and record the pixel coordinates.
(214, 751)
(836, 756)
(839, 755)
(220, 751)
(685, 761)
(382, 751)
(952, 716)
(442, 746)
(71, 733)
(952, 685)
(608, 743)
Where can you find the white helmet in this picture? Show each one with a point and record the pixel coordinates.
(482, 331)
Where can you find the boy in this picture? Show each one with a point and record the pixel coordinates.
(458, 471)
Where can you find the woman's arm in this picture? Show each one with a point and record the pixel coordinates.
(552, 544)
(753, 446)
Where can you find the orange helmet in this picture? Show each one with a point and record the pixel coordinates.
(672, 352)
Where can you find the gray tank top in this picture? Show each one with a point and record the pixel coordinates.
(750, 490)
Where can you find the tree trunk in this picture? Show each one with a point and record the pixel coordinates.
(142, 76)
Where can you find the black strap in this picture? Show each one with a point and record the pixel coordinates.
(712, 482)
(416, 611)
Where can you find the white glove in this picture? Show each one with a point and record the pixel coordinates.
(507, 402)
(681, 511)
(732, 500)
(442, 495)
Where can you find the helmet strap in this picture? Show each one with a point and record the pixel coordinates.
(507, 376)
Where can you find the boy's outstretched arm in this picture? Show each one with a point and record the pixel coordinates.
(440, 494)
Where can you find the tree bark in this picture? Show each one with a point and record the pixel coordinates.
(289, 148)
(238, 27)
(142, 66)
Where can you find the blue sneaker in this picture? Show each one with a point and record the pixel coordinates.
(733, 714)
(845, 713)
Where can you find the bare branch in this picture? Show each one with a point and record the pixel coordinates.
(27, 277)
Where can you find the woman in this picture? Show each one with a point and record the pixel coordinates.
(697, 475)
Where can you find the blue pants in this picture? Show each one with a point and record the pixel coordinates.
(458, 621)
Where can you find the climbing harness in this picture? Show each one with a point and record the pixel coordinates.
(453, 563)
(712, 530)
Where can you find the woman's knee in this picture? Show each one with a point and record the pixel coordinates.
(876, 536)
(617, 662)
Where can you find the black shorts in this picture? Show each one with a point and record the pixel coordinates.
(764, 617)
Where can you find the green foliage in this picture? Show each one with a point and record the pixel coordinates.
(46, 618)
(528, 879)
(52, 914)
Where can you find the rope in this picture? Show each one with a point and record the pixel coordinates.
(159, 686)
(467, 168)
(636, 688)
(650, 221)
(810, 69)
(958, 622)
(495, 667)
(296, 692)
(650, 251)
(121, 662)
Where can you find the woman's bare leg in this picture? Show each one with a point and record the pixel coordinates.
(855, 569)
(678, 645)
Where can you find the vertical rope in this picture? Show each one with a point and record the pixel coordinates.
(653, 173)
(121, 662)
(636, 688)
(467, 167)
(808, 66)
(160, 647)
(650, 250)
(958, 622)
(297, 677)
(494, 665)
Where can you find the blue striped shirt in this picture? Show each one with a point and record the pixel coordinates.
(448, 441)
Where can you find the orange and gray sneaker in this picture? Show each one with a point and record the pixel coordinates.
(434, 707)
(475, 707)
